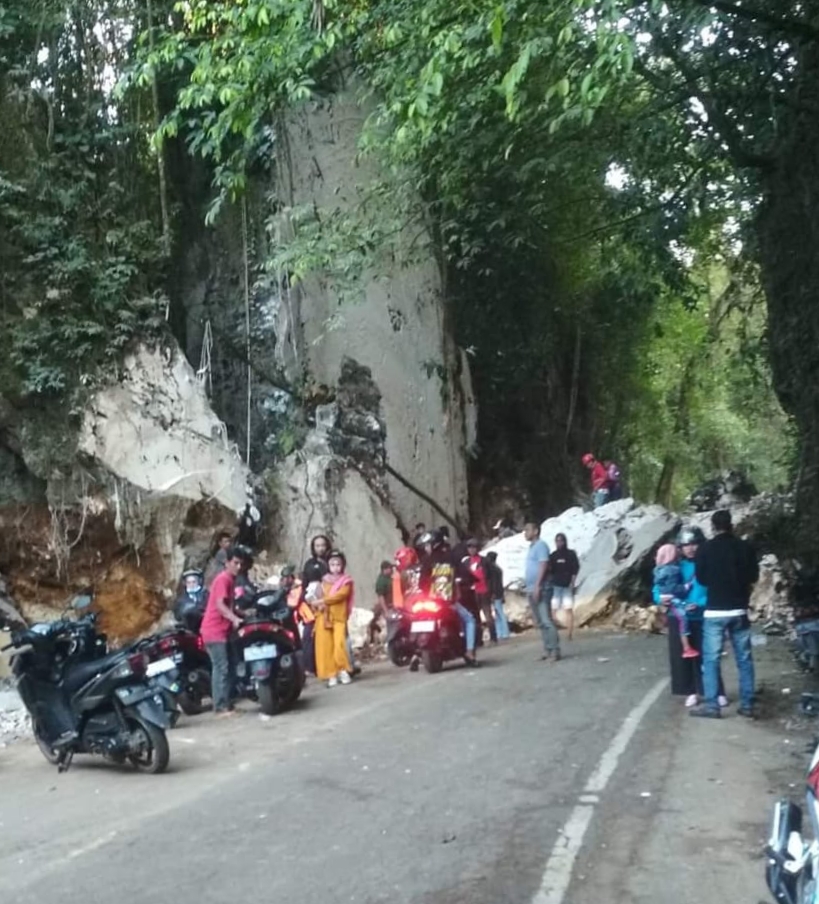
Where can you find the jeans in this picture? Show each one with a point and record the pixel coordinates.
(351, 652)
(484, 605)
(600, 497)
(308, 644)
(468, 621)
(501, 621)
(738, 629)
(542, 615)
(220, 675)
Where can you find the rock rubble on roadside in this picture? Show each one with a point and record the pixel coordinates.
(15, 722)
(611, 542)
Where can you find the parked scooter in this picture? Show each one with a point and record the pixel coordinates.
(270, 663)
(792, 868)
(180, 667)
(81, 702)
(804, 597)
(400, 642)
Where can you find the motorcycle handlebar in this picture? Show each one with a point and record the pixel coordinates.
(34, 638)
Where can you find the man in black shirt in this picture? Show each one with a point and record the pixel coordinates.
(728, 569)
(562, 576)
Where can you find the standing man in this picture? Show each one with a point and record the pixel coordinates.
(216, 563)
(563, 570)
(217, 622)
(601, 491)
(537, 588)
(476, 564)
(497, 594)
(383, 598)
(727, 567)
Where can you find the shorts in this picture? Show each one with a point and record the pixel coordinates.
(562, 598)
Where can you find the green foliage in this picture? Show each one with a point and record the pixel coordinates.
(79, 255)
(496, 126)
(708, 360)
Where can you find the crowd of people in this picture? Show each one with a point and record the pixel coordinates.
(322, 595)
(701, 587)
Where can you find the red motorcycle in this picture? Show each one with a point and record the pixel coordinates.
(436, 632)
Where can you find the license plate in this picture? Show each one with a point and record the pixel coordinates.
(260, 651)
(160, 666)
(422, 627)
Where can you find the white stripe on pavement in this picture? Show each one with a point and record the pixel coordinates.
(558, 872)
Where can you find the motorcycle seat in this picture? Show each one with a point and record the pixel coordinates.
(78, 674)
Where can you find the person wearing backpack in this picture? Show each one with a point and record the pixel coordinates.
(615, 482)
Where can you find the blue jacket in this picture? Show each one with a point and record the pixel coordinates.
(697, 595)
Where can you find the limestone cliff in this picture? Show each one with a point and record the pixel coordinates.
(396, 328)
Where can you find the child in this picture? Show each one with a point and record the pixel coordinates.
(669, 586)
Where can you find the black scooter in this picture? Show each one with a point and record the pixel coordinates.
(81, 702)
(400, 643)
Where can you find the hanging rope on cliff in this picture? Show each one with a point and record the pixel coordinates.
(203, 374)
(247, 328)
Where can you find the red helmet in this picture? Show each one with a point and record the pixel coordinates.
(405, 558)
(587, 459)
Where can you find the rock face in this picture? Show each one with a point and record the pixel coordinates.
(611, 542)
(155, 430)
(320, 492)
(396, 327)
(153, 477)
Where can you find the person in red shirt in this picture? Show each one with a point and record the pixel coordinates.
(601, 488)
(217, 622)
(476, 564)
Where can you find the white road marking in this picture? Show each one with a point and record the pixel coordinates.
(558, 872)
(92, 846)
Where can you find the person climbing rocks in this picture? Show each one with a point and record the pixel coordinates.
(601, 487)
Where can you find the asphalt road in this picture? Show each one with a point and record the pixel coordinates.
(490, 785)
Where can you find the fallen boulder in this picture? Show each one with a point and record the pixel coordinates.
(611, 542)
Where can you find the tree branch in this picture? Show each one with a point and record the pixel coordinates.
(796, 27)
(720, 121)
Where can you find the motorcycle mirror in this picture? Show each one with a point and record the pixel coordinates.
(81, 601)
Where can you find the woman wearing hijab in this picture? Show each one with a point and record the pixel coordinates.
(686, 672)
(336, 602)
(311, 574)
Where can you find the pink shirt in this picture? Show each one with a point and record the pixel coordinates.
(215, 627)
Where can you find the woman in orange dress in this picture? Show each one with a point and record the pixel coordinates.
(332, 661)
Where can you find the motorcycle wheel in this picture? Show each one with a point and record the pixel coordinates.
(269, 701)
(53, 756)
(191, 702)
(156, 754)
(433, 662)
(401, 659)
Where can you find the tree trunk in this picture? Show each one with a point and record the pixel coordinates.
(787, 229)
